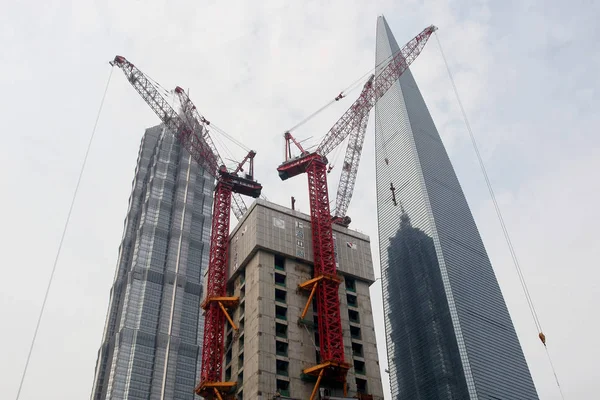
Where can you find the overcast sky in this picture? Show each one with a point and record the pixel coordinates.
(527, 72)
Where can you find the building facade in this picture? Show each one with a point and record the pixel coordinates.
(448, 330)
(153, 333)
(270, 255)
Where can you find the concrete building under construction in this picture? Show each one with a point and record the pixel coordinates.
(270, 255)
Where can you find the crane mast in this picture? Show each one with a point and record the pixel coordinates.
(217, 301)
(325, 282)
(190, 131)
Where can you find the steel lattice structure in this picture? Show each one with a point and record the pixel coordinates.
(353, 123)
(189, 127)
(212, 350)
(355, 119)
(190, 130)
(324, 258)
(356, 139)
(198, 122)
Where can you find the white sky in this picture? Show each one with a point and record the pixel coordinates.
(526, 70)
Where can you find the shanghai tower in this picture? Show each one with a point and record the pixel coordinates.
(448, 331)
(153, 332)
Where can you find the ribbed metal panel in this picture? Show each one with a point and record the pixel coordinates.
(153, 333)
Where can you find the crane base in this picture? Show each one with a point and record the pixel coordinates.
(226, 301)
(329, 369)
(216, 390)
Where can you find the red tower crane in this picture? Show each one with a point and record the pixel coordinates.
(189, 128)
(325, 282)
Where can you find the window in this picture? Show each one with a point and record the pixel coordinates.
(352, 300)
(280, 295)
(357, 349)
(240, 395)
(240, 381)
(283, 388)
(282, 367)
(350, 284)
(280, 263)
(281, 312)
(241, 360)
(355, 332)
(281, 348)
(242, 292)
(361, 385)
(229, 339)
(228, 374)
(241, 343)
(353, 315)
(281, 330)
(242, 308)
(228, 357)
(241, 325)
(359, 367)
(279, 279)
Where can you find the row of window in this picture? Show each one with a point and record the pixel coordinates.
(281, 334)
(281, 330)
(355, 334)
(241, 317)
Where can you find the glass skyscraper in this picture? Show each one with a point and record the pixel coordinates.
(448, 330)
(153, 333)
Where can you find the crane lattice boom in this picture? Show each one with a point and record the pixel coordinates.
(345, 189)
(189, 128)
(374, 89)
(384, 80)
(197, 122)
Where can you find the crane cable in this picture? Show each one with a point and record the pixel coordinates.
(231, 138)
(500, 218)
(311, 116)
(350, 88)
(62, 238)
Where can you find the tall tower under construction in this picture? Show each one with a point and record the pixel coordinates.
(449, 333)
(153, 333)
(270, 255)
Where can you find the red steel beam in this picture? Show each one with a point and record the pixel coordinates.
(331, 339)
(214, 323)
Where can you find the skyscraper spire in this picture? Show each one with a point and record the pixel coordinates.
(449, 334)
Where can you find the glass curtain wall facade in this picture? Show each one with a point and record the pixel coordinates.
(448, 331)
(153, 333)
